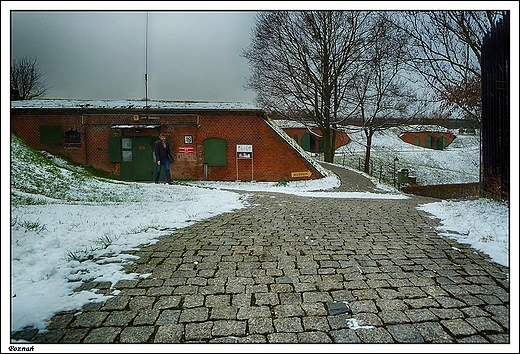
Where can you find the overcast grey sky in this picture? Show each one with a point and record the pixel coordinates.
(192, 55)
(101, 54)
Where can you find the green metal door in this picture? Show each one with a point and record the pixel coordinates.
(441, 142)
(306, 142)
(142, 154)
(137, 159)
(428, 142)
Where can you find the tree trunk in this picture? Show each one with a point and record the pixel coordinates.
(328, 146)
(367, 154)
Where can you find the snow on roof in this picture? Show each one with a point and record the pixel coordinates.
(425, 128)
(285, 123)
(132, 104)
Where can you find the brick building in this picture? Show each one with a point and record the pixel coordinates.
(437, 140)
(212, 141)
(310, 138)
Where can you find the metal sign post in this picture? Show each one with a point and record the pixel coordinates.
(245, 152)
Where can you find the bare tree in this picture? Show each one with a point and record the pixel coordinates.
(382, 88)
(304, 64)
(446, 53)
(27, 78)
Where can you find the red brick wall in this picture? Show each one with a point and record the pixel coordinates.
(409, 137)
(298, 133)
(273, 157)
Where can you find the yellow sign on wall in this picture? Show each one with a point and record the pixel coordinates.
(301, 174)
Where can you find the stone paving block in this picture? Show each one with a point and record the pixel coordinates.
(314, 309)
(459, 327)
(474, 311)
(393, 317)
(288, 324)
(282, 338)
(363, 306)
(314, 337)
(485, 325)
(198, 331)
(433, 332)
(447, 314)
(192, 300)
(313, 297)
(475, 339)
(448, 302)
(159, 291)
(141, 302)
(119, 318)
(344, 336)
(248, 312)
(217, 300)
(499, 338)
(228, 328)
(116, 303)
(146, 317)
(253, 339)
(266, 299)
(74, 336)
(471, 300)
(260, 325)
(139, 334)
(102, 335)
(49, 337)
(288, 310)
(420, 315)
(365, 294)
(167, 317)
(315, 323)
(89, 319)
(405, 333)
(223, 313)
(420, 303)
(368, 319)
(197, 314)
(60, 321)
(374, 335)
(290, 298)
(147, 283)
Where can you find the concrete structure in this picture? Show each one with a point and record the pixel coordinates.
(213, 141)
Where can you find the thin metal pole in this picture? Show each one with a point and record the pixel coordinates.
(146, 66)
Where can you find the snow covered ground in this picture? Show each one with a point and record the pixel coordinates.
(60, 217)
(459, 162)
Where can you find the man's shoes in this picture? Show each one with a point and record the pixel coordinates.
(170, 183)
(156, 182)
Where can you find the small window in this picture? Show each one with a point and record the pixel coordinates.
(72, 138)
(417, 141)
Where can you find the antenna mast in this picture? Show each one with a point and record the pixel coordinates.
(146, 66)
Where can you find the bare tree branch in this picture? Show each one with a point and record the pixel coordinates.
(27, 78)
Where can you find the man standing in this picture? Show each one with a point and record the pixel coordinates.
(163, 157)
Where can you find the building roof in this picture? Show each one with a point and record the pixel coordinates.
(132, 104)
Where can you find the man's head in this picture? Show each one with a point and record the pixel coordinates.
(162, 136)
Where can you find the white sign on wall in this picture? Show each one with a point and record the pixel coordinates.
(245, 152)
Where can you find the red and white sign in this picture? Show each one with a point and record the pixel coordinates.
(186, 150)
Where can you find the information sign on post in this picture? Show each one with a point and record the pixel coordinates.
(245, 152)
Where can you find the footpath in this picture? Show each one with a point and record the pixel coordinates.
(292, 269)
